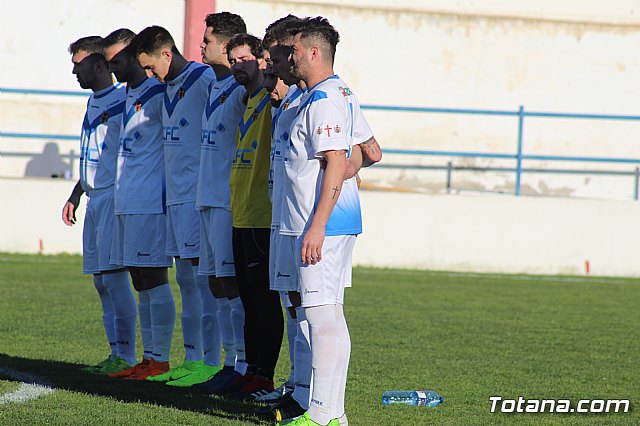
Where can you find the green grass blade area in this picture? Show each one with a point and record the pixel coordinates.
(467, 336)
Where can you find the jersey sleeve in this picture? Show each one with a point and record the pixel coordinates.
(327, 125)
(361, 130)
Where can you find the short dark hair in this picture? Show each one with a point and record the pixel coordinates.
(123, 35)
(254, 43)
(152, 39)
(225, 25)
(90, 44)
(320, 29)
(278, 30)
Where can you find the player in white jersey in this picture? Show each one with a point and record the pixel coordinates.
(323, 210)
(99, 146)
(285, 95)
(186, 92)
(222, 113)
(139, 232)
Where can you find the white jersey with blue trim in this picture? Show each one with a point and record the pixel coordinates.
(140, 186)
(184, 102)
(222, 113)
(282, 118)
(99, 139)
(328, 118)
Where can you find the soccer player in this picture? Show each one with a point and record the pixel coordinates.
(140, 229)
(251, 212)
(222, 113)
(185, 96)
(98, 148)
(323, 210)
(285, 95)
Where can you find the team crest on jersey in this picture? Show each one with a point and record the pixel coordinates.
(104, 117)
(345, 91)
(181, 92)
(138, 106)
(223, 97)
(319, 131)
(337, 128)
(255, 115)
(286, 105)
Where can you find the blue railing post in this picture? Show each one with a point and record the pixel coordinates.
(519, 153)
(636, 181)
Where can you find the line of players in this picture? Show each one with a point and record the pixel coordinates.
(243, 172)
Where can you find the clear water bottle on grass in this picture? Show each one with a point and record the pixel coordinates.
(421, 398)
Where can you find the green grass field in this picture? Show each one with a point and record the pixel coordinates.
(467, 336)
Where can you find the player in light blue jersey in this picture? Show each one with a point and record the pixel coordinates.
(140, 230)
(185, 96)
(98, 152)
(222, 113)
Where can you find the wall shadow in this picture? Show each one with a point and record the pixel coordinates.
(48, 164)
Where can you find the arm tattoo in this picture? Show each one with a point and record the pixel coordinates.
(335, 191)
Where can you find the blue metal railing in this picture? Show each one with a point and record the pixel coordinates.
(519, 156)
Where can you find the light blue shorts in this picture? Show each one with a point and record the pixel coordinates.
(139, 240)
(183, 231)
(97, 234)
(216, 245)
(283, 271)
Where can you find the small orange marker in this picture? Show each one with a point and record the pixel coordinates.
(587, 267)
(41, 246)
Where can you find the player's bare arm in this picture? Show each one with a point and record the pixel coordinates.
(371, 152)
(70, 207)
(355, 162)
(329, 193)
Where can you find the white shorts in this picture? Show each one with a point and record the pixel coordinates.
(97, 234)
(139, 240)
(324, 282)
(283, 270)
(183, 231)
(216, 244)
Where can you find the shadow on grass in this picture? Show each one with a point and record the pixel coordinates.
(67, 376)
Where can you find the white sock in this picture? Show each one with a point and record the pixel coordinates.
(292, 330)
(144, 311)
(237, 323)
(107, 313)
(344, 354)
(302, 355)
(163, 318)
(124, 308)
(191, 310)
(226, 331)
(210, 330)
(325, 342)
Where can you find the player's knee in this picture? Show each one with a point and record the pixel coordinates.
(294, 298)
(217, 287)
(154, 277)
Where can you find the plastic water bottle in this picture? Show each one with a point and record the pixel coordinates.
(420, 398)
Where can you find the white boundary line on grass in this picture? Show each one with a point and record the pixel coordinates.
(31, 387)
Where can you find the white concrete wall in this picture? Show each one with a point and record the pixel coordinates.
(462, 233)
(569, 56)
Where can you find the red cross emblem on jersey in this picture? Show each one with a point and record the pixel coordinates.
(138, 106)
(104, 117)
(328, 129)
(286, 105)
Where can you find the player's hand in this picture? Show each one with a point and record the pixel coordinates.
(312, 245)
(69, 214)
